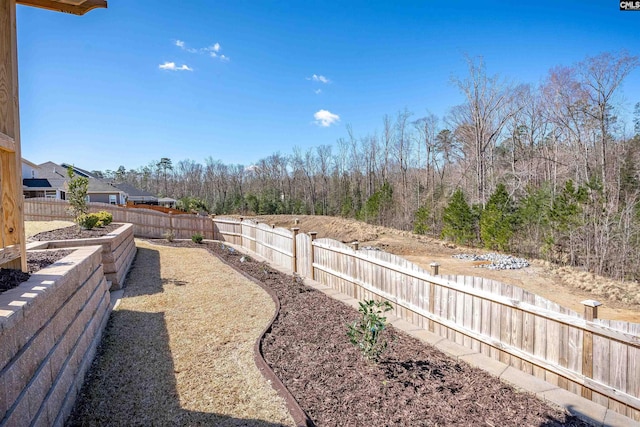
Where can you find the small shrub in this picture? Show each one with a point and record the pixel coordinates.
(365, 334)
(197, 238)
(87, 221)
(105, 218)
(169, 235)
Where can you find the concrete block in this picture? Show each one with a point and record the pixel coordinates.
(494, 367)
(576, 405)
(614, 419)
(453, 349)
(525, 381)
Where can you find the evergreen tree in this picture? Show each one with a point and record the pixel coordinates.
(77, 194)
(459, 221)
(498, 220)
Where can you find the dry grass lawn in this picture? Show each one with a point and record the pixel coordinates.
(178, 350)
(31, 228)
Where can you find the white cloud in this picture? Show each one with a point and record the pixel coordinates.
(318, 91)
(325, 118)
(216, 47)
(180, 44)
(319, 78)
(212, 50)
(171, 66)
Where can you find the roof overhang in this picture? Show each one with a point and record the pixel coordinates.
(76, 7)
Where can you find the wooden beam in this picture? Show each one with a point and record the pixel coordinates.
(58, 6)
(11, 199)
(7, 143)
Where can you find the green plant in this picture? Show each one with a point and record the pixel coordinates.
(365, 334)
(459, 220)
(421, 220)
(105, 218)
(77, 194)
(197, 238)
(87, 221)
(169, 235)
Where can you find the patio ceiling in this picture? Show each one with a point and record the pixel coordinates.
(76, 7)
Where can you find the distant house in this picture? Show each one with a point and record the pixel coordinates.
(51, 180)
(137, 196)
(167, 202)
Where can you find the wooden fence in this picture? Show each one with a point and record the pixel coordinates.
(597, 359)
(146, 222)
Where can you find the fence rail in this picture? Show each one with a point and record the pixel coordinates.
(595, 358)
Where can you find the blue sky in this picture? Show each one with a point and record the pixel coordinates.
(239, 80)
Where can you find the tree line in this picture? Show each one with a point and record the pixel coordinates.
(547, 171)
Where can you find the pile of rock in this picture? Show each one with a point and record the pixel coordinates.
(496, 261)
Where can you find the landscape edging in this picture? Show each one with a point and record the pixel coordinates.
(298, 414)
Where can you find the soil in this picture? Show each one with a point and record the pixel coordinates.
(74, 232)
(10, 278)
(412, 384)
(564, 285)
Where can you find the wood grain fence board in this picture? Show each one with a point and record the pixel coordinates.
(563, 350)
(486, 317)
(516, 327)
(540, 338)
(553, 343)
(505, 322)
(618, 365)
(633, 372)
(601, 360)
(528, 335)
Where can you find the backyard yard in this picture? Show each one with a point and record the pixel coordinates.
(178, 350)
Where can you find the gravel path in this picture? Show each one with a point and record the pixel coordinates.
(178, 350)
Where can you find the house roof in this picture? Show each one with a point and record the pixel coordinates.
(36, 183)
(81, 172)
(56, 173)
(134, 192)
(76, 7)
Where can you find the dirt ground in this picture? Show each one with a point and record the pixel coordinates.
(563, 285)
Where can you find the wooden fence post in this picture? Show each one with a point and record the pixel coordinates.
(213, 227)
(294, 259)
(435, 268)
(296, 221)
(313, 235)
(590, 313)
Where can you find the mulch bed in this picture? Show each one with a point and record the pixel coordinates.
(74, 232)
(413, 384)
(10, 278)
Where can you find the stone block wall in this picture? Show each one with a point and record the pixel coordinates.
(50, 327)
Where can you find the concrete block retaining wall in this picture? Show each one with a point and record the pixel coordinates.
(118, 251)
(50, 327)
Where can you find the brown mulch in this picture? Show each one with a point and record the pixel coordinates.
(413, 384)
(10, 278)
(74, 232)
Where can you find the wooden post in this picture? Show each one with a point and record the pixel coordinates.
(11, 199)
(273, 226)
(294, 259)
(355, 245)
(213, 227)
(435, 268)
(590, 313)
(313, 235)
(296, 221)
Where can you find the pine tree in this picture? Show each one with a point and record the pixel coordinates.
(459, 221)
(498, 220)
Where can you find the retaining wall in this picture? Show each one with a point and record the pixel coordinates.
(50, 327)
(118, 251)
